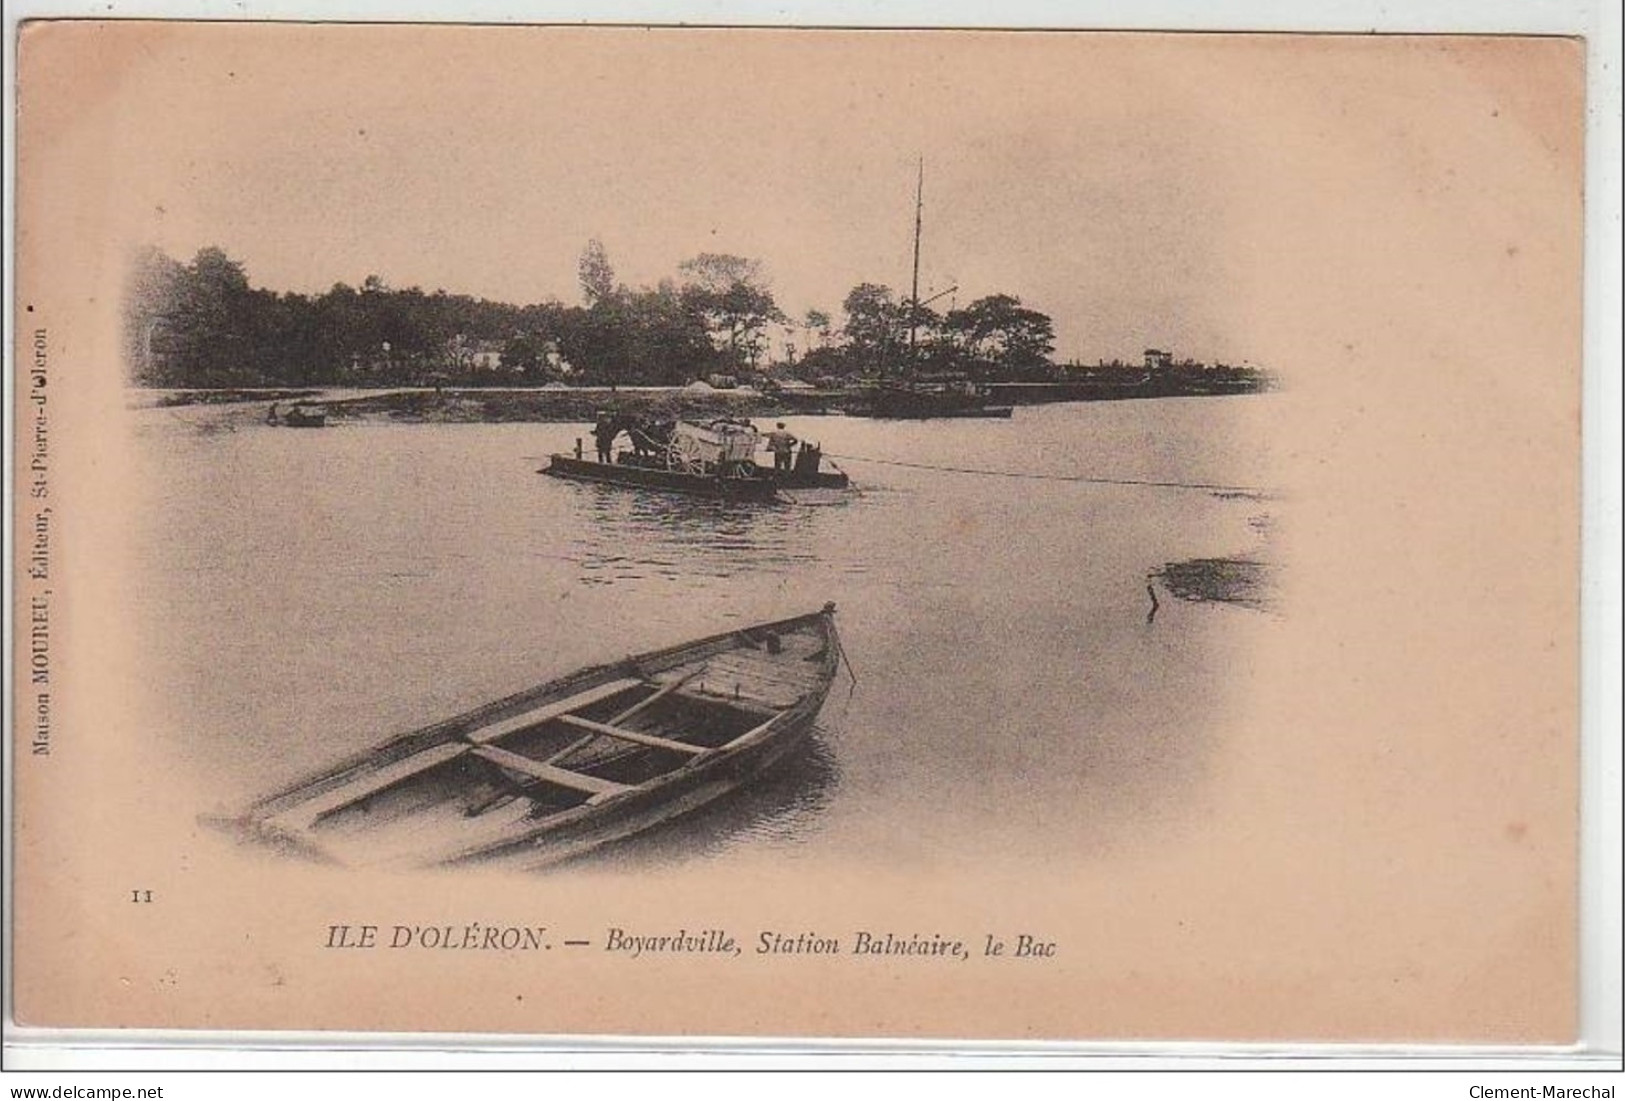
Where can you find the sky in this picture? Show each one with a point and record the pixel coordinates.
(1131, 187)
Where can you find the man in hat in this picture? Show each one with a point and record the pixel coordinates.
(783, 446)
(604, 430)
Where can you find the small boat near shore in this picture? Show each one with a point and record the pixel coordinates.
(299, 416)
(560, 769)
(933, 400)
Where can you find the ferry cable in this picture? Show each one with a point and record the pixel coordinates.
(1030, 475)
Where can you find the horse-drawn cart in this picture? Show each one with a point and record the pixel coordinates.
(724, 448)
(713, 461)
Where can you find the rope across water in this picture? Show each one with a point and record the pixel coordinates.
(1039, 477)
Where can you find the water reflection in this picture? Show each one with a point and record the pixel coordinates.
(628, 536)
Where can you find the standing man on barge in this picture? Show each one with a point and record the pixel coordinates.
(604, 431)
(783, 446)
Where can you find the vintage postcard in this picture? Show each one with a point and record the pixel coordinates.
(922, 535)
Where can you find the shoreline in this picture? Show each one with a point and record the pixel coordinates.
(456, 406)
(471, 405)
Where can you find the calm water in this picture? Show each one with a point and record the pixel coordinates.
(308, 594)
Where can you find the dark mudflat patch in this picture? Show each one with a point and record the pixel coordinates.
(1248, 582)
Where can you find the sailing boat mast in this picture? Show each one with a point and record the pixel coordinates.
(914, 288)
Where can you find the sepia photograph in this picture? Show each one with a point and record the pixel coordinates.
(941, 535)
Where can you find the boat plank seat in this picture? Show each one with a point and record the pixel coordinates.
(304, 814)
(536, 716)
(644, 705)
(563, 777)
(626, 735)
(626, 716)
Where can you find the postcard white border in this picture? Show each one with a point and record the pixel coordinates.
(1596, 20)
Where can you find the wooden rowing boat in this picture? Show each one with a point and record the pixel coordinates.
(301, 418)
(557, 770)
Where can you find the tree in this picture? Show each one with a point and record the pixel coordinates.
(152, 295)
(202, 324)
(210, 322)
(817, 322)
(343, 328)
(875, 325)
(219, 273)
(666, 344)
(999, 333)
(717, 271)
(597, 277)
(730, 294)
(523, 354)
(594, 339)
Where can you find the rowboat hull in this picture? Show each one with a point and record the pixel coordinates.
(562, 769)
(671, 481)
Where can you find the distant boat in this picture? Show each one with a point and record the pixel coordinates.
(930, 400)
(302, 418)
(919, 398)
(299, 416)
(560, 769)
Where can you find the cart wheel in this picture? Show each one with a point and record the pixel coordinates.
(686, 455)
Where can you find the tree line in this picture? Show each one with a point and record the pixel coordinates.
(993, 338)
(201, 324)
